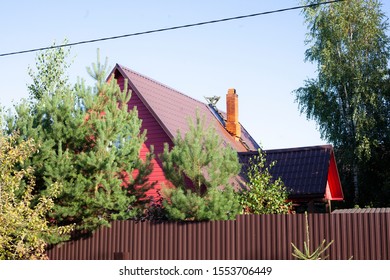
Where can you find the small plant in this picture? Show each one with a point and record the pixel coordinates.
(306, 254)
(265, 194)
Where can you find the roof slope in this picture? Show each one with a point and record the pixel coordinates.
(304, 171)
(172, 109)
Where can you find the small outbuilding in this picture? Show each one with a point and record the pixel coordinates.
(309, 174)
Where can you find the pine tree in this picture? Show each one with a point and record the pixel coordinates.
(89, 144)
(200, 168)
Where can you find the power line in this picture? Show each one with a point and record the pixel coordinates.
(170, 28)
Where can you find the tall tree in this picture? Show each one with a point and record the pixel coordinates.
(201, 170)
(349, 98)
(51, 72)
(89, 144)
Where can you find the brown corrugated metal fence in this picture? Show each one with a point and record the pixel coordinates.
(358, 235)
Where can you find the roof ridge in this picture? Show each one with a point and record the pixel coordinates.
(297, 149)
(159, 83)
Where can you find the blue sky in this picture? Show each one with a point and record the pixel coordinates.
(261, 57)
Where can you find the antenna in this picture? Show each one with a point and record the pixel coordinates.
(212, 100)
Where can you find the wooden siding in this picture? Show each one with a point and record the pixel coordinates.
(363, 236)
(155, 136)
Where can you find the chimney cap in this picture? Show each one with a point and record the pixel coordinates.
(232, 91)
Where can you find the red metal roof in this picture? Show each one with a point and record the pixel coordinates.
(172, 109)
(305, 171)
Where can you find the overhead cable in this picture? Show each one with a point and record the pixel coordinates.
(169, 28)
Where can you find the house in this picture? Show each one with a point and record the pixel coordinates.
(165, 111)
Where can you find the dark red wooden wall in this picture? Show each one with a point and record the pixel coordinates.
(155, 136)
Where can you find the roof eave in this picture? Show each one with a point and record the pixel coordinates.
(163, 126)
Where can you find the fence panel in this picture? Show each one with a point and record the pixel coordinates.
(362, 236)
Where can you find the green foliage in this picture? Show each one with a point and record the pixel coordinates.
(201, 169)
(24, 229)
(214, 204)
(51, 72)
(306, 254)
(350, 97)
(89, 144)
(264, 194)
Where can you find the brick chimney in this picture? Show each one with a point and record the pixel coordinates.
(232, 125)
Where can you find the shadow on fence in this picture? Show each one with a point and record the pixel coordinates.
(363, 236)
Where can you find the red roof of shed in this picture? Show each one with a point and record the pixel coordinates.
(307, 172)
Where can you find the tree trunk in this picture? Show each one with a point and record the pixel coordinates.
(355, 184)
